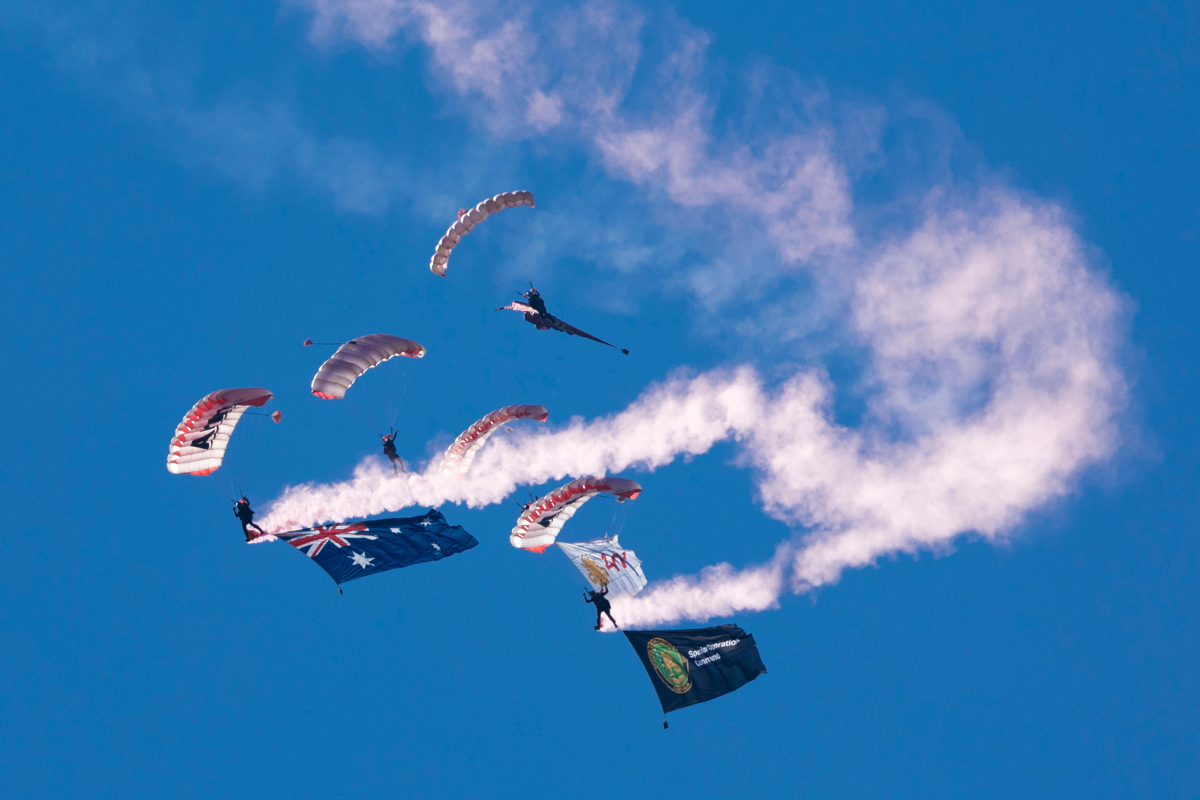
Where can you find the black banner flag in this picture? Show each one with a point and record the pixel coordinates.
(693, 666)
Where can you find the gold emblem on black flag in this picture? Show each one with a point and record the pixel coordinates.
(670, 664)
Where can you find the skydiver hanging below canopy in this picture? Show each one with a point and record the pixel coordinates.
(245, 514)
(535, 299)
(534, 310)
(389, 450)
(602, 605)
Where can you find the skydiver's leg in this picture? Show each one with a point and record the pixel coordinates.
(402, 467)
(610, 616)
(598, 623)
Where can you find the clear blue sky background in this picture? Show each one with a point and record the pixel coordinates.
(146, 652)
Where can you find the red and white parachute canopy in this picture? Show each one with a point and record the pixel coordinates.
(469, 219)
(459, 455)
(356, 357)
(199, 443)
(539, 525)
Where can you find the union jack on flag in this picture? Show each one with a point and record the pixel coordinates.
(337, 535)
(377, 545)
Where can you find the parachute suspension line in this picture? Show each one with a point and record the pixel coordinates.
(361, 417)
(400, 405)
(619, 516)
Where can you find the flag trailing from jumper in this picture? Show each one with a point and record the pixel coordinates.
(607, 565)
(356, 549)
(694, 666)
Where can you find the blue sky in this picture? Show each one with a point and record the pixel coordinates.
(942, 256)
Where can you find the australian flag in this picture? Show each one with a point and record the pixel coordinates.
(352, 550)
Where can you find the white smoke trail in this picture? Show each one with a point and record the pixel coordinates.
(992, 350)
(681, 417)
(991, 343)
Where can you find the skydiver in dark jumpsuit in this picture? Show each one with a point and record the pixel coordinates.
(389, 450)
(602, 605)
(534, 298)
(245, 514)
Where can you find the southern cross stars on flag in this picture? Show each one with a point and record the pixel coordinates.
(356, 549)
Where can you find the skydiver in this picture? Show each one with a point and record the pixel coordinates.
(535, 313)
(602, 605)
(534, 298)
(389, 450)
(245, 514)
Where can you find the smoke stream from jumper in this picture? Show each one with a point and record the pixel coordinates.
(992, 348)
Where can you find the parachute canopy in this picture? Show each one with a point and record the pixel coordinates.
(356, 357)
(462, 452)
(467, 220)
(607, 565)
(539, 525)
(198, 446)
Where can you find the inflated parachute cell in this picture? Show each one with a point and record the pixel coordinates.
(198, 446)
(462, 452)
(356, 357)
(467, 220)
(539, 525)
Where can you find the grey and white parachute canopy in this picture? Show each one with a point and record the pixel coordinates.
(462, 452)
(467, 220)
(357, 356)
(539, 524)
(198, 446)
(605, 564)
